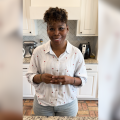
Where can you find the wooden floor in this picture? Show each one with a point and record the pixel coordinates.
(86, 108)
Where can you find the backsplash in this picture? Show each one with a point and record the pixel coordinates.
(71, 36)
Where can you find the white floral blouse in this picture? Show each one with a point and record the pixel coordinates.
(70, 63)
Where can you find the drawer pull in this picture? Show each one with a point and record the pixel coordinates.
(24, 68)
(88, 69)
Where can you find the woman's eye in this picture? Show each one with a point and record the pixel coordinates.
(61, 28)
(51, 29)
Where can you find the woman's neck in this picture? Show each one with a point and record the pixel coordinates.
(58, 47)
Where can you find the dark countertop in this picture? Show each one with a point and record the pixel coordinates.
(87, 61)
(58, 118)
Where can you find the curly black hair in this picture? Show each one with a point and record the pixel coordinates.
(55, 14)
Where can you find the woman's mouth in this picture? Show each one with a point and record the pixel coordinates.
(57, 39)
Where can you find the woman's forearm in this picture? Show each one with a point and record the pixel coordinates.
(36, 79)
(78, 81)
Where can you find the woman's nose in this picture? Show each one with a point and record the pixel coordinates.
(56, 32)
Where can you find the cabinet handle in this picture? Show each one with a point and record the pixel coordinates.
(88, 69)
(24, 68)
(30, 32)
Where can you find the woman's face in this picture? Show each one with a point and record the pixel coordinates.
(57, 32)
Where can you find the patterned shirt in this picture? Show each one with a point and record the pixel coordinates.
(70, 63)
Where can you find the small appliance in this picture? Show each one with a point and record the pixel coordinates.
(29, 47)
(85, 49)
(23, 52)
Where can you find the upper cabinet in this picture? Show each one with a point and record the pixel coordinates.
(29, 26)
(38, 8)
(84, 11)
(88, 23)
(54, 3)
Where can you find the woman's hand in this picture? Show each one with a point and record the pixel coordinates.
(64, 79)
(46, 78)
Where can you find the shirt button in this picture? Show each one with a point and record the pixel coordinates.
(57, 70)
(57, 60)
(56, 99)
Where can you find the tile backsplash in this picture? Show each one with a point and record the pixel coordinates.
(71, 36)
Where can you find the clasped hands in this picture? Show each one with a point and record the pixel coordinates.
(48, 78)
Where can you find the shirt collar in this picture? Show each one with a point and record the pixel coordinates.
(68, 47)
(48, 48)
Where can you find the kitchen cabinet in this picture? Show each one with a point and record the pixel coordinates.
(88, 23)
(55, 3)
(29, 25)
(38, 8)
(28, 89)
(90, 90)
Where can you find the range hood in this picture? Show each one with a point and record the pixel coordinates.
(38, 8)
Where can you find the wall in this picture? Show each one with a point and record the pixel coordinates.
(73, 39)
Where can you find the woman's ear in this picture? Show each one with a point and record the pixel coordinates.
(67, 28)
(47, 29)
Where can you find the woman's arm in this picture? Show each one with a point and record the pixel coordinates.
(36, 79)
(75, 81)
(46, 78)
(66, 80)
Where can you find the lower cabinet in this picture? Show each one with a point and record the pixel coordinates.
(28, 89)
(89, 90)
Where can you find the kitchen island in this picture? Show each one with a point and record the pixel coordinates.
(58, 118)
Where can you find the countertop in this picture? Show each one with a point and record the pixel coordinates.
(57, 118)
(87, 61)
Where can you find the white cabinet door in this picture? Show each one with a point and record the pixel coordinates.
(29, 26)
(54, 3)
(38, 12)
(90, 89)
(25, 20)
(28, 89)
(87, 25)
(33, 91)
(38, 8)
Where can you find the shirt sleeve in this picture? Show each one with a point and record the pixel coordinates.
(80, 70)
(32, 71)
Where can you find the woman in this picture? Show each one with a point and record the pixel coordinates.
(56, 69)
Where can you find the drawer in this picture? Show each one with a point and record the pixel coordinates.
(91, 68)
(25, 67)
